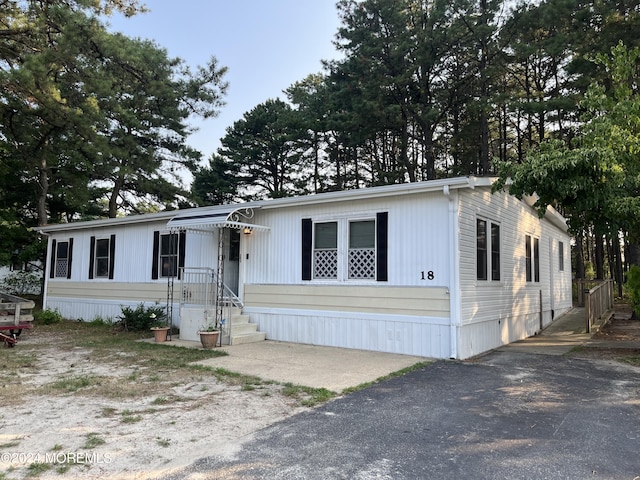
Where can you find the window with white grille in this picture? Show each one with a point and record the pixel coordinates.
(362, 249)
(325, 250)
(62, 260)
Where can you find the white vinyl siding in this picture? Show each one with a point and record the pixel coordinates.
(496, 313)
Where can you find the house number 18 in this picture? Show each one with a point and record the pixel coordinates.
(430, 275)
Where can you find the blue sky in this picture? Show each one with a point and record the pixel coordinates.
(267, 45)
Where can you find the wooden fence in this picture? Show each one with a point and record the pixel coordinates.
(597, 298)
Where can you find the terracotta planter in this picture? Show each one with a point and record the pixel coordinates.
(160, 334)
(209, 339)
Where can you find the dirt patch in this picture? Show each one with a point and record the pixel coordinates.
(77, 411)
(622, 327)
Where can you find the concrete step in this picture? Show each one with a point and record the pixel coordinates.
(239, 319)
(248, 338)
(242, 328)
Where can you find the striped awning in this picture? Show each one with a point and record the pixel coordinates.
(208, 221)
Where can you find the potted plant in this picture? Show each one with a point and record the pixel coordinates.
(159, 327)
(142, 318)
(209, 335)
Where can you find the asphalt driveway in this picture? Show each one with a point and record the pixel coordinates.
(508, 415)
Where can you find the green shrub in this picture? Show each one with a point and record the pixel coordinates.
(632, 288)
(47, 317)
(142, 318)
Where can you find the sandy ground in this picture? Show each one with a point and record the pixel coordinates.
(85, 437)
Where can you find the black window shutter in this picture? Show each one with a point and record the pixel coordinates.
(112, 255)
(307, 246)
(155, 257)
(52, 267)
(92, 255)
(69, 257)
(382, 227)
(182, 242)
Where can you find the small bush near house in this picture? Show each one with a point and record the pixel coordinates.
(632, 288)
(47, 317)
(141, 318)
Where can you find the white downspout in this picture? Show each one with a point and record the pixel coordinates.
(454, 272)
(45, 270)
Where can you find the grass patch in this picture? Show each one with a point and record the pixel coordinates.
(399, 373)
(93, 440)
(129, 417)
(73, 384)
(150, 367)
(633, 360)
(308, 396)
(37, 468)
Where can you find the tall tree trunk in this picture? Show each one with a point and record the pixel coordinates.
(580, 256)
(599, 257)
(617, 250)
(43, 183)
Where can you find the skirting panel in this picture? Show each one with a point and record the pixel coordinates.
(477, 338)
(88, 310)
(405, 335)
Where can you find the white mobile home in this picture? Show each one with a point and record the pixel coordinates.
(441, 269)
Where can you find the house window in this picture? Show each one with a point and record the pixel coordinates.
(325, 250)
(102, 257)
(536, 259)
(532, 254)
(495, 252)
(362, 249)
(345, 249)
(481, 249)
(487, 240)
(169, 255)
(61, 259)
(561, 256)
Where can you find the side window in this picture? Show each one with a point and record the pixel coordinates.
(495, 252)
(487, 250)
(102, 257)
(61, 256)
(346, 249)
(481, 249)
(532, 256)
(325, 250)
(561, 256)
(168, 254)
(362, 249)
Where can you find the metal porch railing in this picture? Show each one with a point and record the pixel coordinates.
(198, 287)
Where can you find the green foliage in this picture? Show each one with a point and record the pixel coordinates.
(47, 316)
(263, 149)
(89, 117)
(632, 288)
(142, 318)
(596, 178)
